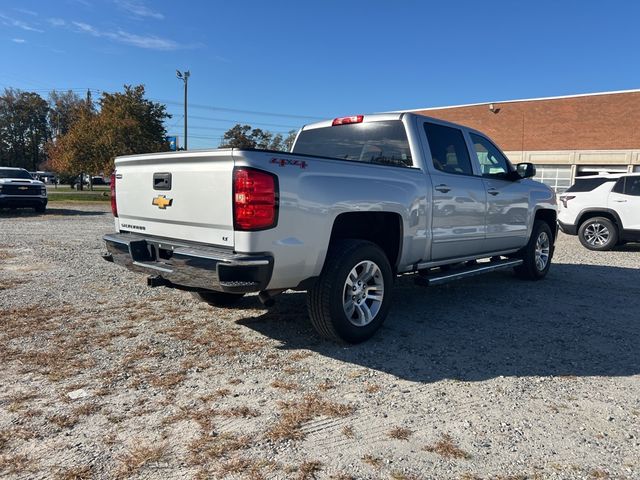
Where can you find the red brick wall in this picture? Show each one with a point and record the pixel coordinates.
(579, 123)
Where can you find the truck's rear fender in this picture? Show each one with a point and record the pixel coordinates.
(315, 192)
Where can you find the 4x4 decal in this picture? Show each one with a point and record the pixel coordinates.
(288, 161)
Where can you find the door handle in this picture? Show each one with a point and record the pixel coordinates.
(493, 191)
(620, 201)
(443, 188)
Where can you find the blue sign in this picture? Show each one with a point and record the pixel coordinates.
(173, 143)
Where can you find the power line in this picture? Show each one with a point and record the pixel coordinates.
(198, 117)
(235, 110)
(203, 127)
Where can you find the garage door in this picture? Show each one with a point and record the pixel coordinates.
(557, 177)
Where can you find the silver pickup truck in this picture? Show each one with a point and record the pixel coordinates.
(358, 201)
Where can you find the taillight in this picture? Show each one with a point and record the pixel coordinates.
(114, 204)
(255, 199)
(565, 198)
(348, 120)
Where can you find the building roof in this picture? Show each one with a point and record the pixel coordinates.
(538, 99)
(596, 121)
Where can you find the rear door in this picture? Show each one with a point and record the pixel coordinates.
(507, 199)
(182, 196)
(625, 200)
(459, 198)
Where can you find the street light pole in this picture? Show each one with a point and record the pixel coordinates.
(184, 76)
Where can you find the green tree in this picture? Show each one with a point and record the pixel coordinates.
(24, 129)
(126, 123)
(65, 108)
(244, 136)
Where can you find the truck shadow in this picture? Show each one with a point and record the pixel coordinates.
(582, 320)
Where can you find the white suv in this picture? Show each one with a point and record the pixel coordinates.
(603, 210)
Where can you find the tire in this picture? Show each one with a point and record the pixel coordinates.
(537, 254)
(349, 262)
(598, 233)
(219, 299)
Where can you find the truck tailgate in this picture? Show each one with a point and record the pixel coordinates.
(184, 195)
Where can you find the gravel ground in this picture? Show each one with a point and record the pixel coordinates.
(492, 377)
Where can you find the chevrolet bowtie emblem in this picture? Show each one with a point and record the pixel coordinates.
(23, 188)
(162, 202)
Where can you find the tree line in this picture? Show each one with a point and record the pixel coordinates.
(71, 134)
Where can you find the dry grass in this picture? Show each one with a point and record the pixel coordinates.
(398, 475)
(64, 421)
(249, 468)
(288, 386)
(57, 354)
(446, 448)
(14, 464)
(17, 400)
(7, 284)
(210, 448)
(167, 380)
(217, 395)
(372, 388)
(342, 476)
(244, 412)
(348, 432)
(399, 433)
(299, 355)
(295, 414)
(235, 381)
(375, 462)
(213, 339)
(326, 385)
(598, 473)
(138, 457)
(83, 472)
(86, 409)
(4, 255)
(469, 476)
(4, 440)
(308, 470)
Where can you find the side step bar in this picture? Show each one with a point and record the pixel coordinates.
(478, 269)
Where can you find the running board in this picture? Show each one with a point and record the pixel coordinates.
(478, 269)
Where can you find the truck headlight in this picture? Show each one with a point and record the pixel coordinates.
(43, 191)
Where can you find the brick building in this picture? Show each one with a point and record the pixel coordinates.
(564, 137)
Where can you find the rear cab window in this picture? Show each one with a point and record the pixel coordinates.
(448, 148)
(378, 142)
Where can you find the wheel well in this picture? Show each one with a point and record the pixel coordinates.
(548, 216)
(382, 228)
(597, 213)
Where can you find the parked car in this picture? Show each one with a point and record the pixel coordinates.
(602, 210)
(358, 201)
(88, 181)
(18, 189)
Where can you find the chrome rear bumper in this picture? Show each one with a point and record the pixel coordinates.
(190, 266)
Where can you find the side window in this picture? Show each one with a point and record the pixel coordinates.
(632, 186)
(619, 186)
(448, 149)
(492, 162)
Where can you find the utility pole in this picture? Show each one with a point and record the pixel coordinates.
(184, 76)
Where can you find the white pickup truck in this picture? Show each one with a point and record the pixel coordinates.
(358, 201)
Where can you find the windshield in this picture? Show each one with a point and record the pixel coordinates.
(372, 142)
(17, 173)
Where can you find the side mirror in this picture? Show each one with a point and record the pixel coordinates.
(526, 170)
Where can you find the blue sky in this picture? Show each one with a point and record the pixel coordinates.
(296, 59)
